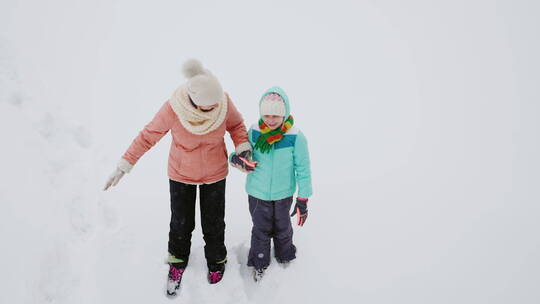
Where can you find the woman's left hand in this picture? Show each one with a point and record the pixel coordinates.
(243, 162)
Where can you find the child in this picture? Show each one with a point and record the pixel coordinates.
(281, 161)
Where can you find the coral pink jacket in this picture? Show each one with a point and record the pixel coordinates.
(193, 159)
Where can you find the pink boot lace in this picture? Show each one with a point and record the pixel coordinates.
(175, 273)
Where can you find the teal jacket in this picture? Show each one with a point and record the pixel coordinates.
(286, 166)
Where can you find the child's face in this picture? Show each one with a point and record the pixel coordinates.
(273, 121)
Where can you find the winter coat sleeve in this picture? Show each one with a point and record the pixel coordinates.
(151, 134)
(302, 166)
(251, 144)
(236, 128)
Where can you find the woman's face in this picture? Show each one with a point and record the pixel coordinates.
(273, 121)
(203, 108)
(208, 108)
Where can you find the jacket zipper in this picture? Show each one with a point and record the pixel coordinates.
(203, 160)
(272, 173)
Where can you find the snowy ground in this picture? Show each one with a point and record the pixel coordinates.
(422, 120)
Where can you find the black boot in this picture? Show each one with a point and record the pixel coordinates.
(176, 271)
(215, 272)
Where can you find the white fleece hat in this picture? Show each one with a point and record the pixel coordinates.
(202, 86)
(272, 104)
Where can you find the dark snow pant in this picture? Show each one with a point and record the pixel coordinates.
(271, 219)
(212, 205)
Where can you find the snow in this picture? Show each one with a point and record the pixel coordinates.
(422, 121)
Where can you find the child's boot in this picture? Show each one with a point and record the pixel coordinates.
(258, 274)
(283, 263)
(286, 262)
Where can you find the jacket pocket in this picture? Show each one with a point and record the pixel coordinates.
(215, 159)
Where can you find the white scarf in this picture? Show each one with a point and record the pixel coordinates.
(193, 119)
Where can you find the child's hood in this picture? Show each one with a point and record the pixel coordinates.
(280, 92)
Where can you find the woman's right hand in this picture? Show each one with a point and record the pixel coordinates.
(122, 168)
(114, 178)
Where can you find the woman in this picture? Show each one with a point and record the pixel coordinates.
(197, 114)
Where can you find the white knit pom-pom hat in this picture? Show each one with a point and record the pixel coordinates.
(202, 86)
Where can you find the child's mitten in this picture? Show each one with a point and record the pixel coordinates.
(300, 209)
(243, 161)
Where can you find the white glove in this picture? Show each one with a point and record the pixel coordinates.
(114, 178)
(123, 167)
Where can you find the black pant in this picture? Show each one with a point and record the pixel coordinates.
(271, 220)
(212, 204)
